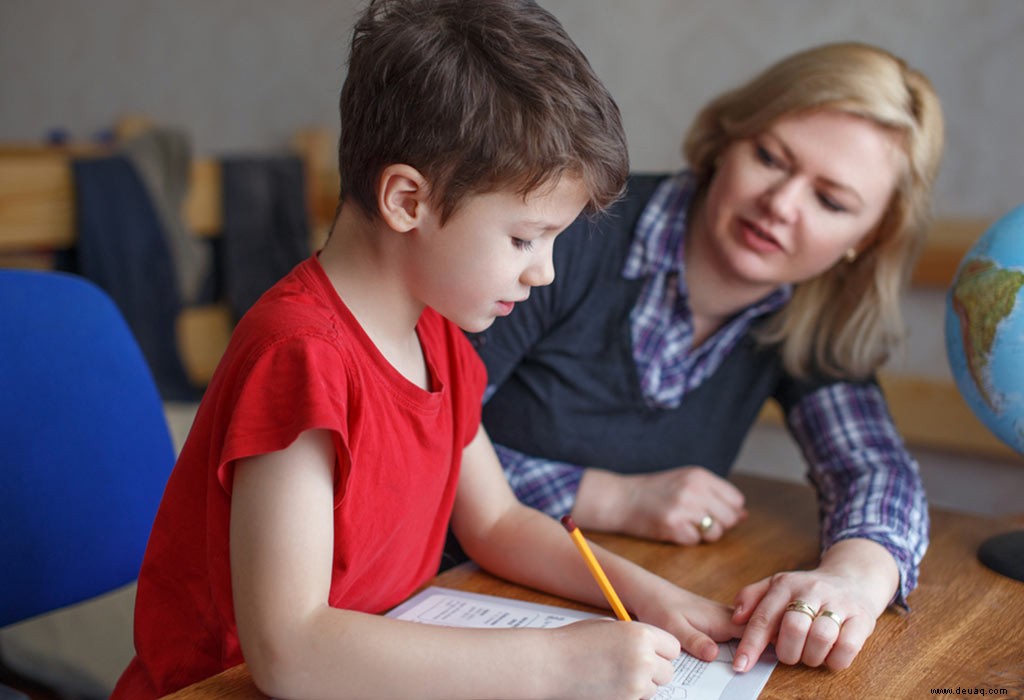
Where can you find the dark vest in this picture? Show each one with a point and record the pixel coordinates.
(568, 388)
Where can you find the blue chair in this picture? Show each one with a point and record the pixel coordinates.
(85, 451)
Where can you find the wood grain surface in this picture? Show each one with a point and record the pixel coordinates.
(965, 629)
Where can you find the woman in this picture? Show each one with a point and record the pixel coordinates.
(771, 268)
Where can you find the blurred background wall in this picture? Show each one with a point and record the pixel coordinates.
(246, 74)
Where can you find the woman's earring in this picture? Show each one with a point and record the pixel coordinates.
(850, 255)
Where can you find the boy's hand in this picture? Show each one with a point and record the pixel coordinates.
(614, 660)
(697, 622)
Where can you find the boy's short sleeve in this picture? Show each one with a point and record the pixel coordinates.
(289, 387)
(308, 381)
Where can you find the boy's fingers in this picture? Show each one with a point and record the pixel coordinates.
(665, 645)
(699, 644)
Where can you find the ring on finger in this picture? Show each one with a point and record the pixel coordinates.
(832, 616)
(705, 524)
(797, 605)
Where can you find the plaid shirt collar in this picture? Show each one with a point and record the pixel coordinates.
(661, 321)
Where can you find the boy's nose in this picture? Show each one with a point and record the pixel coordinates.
(541, 271)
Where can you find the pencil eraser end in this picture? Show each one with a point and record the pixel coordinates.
(568, 523)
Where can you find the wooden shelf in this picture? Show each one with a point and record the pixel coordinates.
(37, 217)
(948, 242)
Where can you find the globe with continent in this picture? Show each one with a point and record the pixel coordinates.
(985, 328)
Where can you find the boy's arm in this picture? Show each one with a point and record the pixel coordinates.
(526, 546)
(296, 645)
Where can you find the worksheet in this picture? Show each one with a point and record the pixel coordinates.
(693, 679)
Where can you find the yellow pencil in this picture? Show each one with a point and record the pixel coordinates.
(595, 569)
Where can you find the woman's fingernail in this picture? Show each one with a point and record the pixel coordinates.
(740, 664)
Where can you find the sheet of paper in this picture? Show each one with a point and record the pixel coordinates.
(693, 680)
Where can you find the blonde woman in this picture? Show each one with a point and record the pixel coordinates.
(770, 269)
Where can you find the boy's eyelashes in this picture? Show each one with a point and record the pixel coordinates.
(522, 243)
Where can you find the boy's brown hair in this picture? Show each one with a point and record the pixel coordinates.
(478, 95)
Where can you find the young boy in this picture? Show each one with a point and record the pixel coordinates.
(341, 430)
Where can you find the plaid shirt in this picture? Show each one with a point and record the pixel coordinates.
(662, 324)
(868, 485)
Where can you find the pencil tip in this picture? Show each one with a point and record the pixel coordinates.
(568, 524)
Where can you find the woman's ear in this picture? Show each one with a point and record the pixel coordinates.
(402, 197)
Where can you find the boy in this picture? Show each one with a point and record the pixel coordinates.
(341, 430)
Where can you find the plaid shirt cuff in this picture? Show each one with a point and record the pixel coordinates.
(869, 485)
(543, 484)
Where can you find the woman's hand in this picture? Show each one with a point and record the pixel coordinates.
(668, 505)
(817, 617)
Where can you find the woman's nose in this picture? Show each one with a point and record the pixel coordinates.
(782, 198)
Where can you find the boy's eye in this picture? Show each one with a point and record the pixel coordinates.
(522, 244)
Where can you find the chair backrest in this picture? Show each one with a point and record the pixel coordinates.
(85, 451)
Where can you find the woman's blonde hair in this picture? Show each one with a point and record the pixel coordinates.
(846, 321)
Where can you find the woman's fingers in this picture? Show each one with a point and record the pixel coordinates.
(811, 618)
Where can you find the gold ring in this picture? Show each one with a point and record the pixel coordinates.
(706, 523)
(801, 607)
(832, 616)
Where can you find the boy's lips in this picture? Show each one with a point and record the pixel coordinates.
(505, 307)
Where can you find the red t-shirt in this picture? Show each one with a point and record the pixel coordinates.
(299, 360)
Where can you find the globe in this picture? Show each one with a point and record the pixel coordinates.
(985, 328)
(985, 346)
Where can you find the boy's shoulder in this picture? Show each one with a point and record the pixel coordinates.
(301, 293)
(302, 306)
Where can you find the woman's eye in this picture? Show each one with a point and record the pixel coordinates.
(522, 244)
(830, 204)
(765, 156)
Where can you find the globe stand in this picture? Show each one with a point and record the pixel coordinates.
(1004, 554)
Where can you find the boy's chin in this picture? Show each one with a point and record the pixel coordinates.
(477, 325)
(470, 323)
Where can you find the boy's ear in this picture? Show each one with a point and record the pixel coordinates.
(402, 197)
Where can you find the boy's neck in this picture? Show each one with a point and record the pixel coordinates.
(362, 259)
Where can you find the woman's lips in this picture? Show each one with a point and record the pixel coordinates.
(758, 238)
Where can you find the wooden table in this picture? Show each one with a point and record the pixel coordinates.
(966, 628)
